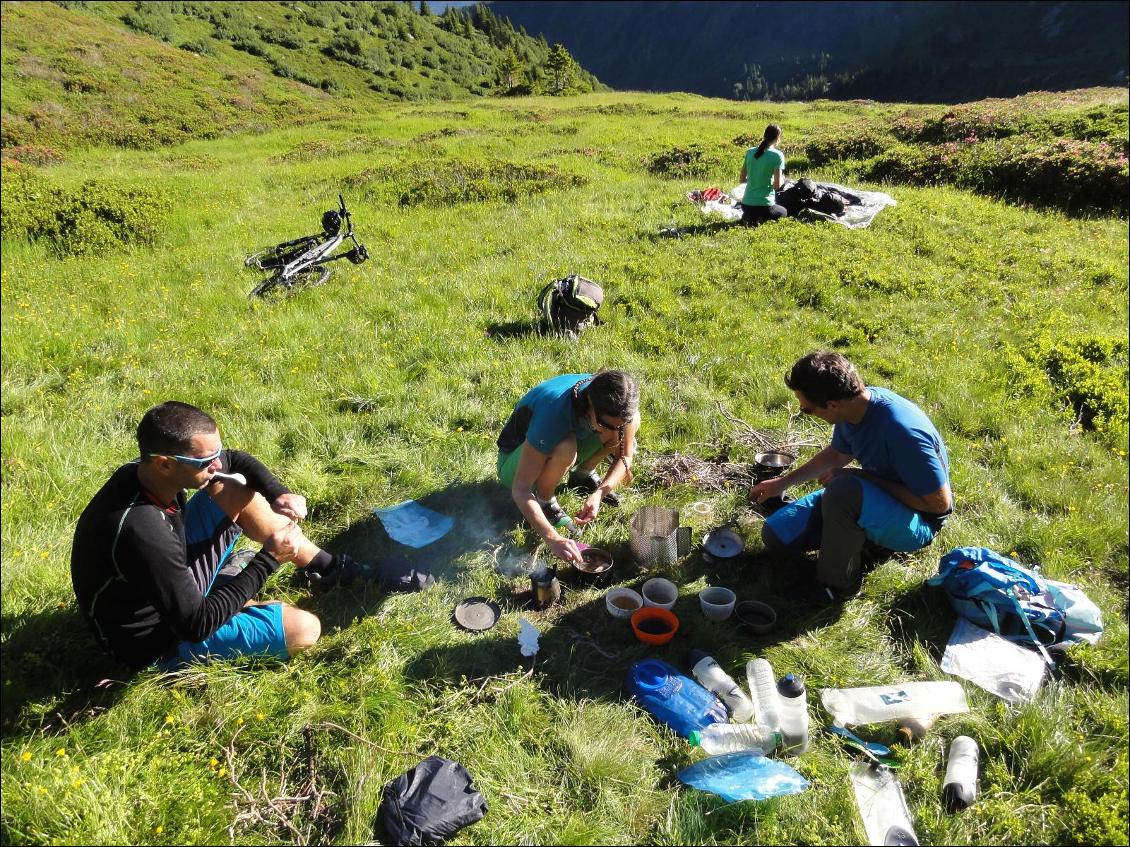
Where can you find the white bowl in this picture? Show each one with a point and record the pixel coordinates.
(631, 601)
(717, 602)
(660, 593)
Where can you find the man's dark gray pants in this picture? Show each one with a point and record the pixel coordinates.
(834, 530)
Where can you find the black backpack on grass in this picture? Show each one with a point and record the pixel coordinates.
(568, 306)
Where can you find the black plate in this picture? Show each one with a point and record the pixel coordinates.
(477, 614)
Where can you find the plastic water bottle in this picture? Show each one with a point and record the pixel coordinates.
(878, 703)
(959, 788)
(763, 687)
(735, 737)
(673, 698)
(794, 714)
(713, 678)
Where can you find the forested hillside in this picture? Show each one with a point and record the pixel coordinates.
(929, 52)
(149, 73)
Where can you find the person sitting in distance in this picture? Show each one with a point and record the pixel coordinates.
(572, 421)
(898, 498)
(761, 173)
(153, 570)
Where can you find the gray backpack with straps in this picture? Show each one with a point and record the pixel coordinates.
(568, 306)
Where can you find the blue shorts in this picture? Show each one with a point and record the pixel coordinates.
(884, 520)
(210, 536)
(254, 631)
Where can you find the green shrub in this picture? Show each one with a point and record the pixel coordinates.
(909, 163)
(853, 141)
(1066, 173)
(151, 19)
(31, 154)
(97, 218)
(1010, 118)
(1087, 374)
(679, 162)
(442, 183)
(200, 46)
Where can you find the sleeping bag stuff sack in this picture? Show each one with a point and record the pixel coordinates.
(429, 803)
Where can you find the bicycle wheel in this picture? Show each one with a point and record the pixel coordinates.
(310, 277)
(268, 285)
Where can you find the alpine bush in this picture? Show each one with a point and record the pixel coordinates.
(679, 162)
(439, 184)
(97, 218)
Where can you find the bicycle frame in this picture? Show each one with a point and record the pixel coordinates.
(288, 268)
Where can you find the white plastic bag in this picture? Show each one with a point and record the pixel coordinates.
(996, 664)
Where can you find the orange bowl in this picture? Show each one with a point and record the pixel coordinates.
(653, 625)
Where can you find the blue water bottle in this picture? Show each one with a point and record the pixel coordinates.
(673, 698)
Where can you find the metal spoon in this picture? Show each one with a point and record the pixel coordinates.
(228, 477)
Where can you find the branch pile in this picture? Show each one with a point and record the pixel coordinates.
(720, 474)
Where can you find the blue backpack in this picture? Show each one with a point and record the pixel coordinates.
(1001, 595)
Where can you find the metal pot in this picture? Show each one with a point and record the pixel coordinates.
(546, 590)
(771, 465)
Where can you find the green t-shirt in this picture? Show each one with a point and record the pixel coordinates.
(759, 176)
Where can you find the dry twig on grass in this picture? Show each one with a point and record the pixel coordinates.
(280, 810)
(681, 468)
(720, 475)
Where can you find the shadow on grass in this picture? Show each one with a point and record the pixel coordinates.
(52, 665)
(54, 673)
(585, 653)
(922, 615)
(482, 510)
(512, 329)
(670, 232)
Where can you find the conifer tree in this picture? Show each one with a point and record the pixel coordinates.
(562, 69)
(509, 70)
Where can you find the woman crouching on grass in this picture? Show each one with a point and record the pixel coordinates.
(568, 425)
(761, 173)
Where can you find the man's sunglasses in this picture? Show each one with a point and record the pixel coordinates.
(192, 461)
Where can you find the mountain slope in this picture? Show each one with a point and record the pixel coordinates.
(896, 51)
(146, 74)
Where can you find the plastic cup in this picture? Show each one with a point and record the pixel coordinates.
(622, 602)
(717, 603)
(660, 593)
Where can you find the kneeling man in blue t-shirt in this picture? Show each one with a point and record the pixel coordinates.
(899, 496)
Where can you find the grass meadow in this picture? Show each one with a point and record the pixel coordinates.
(392, 382)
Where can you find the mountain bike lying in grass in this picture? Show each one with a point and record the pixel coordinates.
(304, 261)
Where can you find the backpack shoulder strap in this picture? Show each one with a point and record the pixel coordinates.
(1028, 626)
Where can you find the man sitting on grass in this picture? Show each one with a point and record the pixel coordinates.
(897, 499)
(152, 569)
(570, 421)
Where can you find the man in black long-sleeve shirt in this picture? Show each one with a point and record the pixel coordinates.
(146, 558)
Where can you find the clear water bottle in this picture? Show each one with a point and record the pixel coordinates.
(793, 700)
(735, 737)
(959, 788)
(763, 687)
(711, 676)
